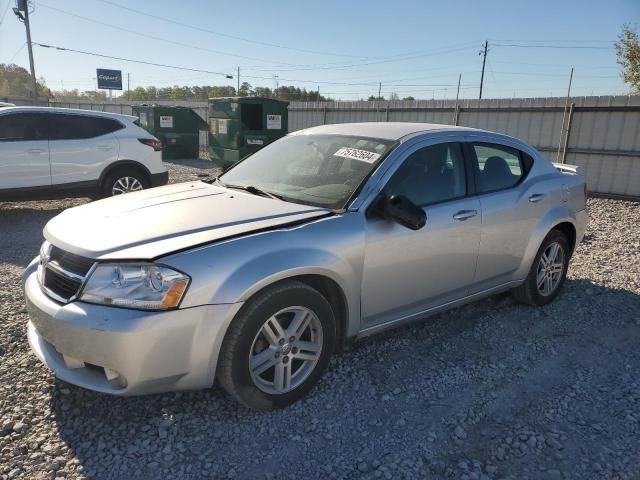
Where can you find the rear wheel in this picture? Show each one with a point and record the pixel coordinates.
(277, 346)
(124, 181)
(548, 272)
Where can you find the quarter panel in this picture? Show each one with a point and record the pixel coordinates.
(132, 149)
(556, 215)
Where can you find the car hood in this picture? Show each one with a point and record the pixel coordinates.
(151, 223)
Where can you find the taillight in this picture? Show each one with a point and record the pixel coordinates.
(585, 190)
(152, 142)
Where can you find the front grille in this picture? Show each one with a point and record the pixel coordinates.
(60, 285)
(70, 261)
(64, 274)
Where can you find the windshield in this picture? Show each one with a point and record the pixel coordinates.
(320, 170)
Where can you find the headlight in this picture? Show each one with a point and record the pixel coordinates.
(145, 286)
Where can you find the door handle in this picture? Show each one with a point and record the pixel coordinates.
(465, 214)
(105, 148)
(536, 197)
(35, 150)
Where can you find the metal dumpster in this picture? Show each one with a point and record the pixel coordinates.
(176, 127)
(240, 126)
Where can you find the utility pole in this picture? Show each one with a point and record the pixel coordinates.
(379, 89)
(455, 110)
(564, 114)
(22, 12)
(238, 90)
(128, 86)
(484, 61)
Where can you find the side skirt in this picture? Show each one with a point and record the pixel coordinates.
(432, 311)
(50, 192)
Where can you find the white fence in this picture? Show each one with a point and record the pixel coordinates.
(601, 134)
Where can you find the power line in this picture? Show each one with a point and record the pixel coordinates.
(334, 66)
(129, 59)
(152, 37)
(519, 45)
(593, 67)
(552, 41)
(535, 74)
(278, 67)
(432, 86)
(234, 37)
(83, 52)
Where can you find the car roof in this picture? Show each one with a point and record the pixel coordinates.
(383, 130)
(75, 111)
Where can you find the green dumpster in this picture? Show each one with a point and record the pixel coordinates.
(176, 127)
(240, 126)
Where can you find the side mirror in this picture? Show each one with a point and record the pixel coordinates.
(402, 210)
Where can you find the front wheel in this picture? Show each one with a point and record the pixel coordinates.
(277, 346)
(548, 272)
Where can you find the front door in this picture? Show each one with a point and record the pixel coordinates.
(24, 151)
(409, 271)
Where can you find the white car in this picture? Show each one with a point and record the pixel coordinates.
(59, 152)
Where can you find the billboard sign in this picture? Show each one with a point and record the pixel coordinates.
(109, 79)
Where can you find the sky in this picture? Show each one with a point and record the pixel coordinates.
(345, 48)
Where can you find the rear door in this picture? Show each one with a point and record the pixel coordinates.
(81, 147)
(510, 210)
(24, 150)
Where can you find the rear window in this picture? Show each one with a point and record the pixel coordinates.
(76, 127)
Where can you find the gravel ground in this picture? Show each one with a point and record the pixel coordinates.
(491, 390)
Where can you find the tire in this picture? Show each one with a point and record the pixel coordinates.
(262, 390)
(529, 292)
(136, 176)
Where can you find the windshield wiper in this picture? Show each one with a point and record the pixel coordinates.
(254, 190)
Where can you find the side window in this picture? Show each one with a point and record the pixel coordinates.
(15, 127)
(77, 127)
(430, 175)
(497, 167)
(107, 125)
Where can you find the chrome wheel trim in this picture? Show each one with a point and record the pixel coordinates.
(550, 268)
(285, 350)
(126, 185)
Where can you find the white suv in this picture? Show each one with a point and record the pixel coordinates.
(60, 152)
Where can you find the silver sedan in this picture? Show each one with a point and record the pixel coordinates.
(256, 278)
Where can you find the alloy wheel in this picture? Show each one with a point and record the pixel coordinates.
(286, 350)
(126, 185)
(550, 269)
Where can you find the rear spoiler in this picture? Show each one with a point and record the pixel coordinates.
(566, 168)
